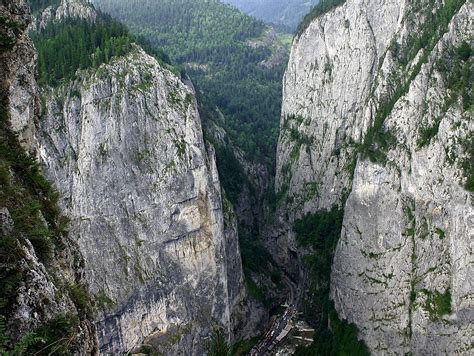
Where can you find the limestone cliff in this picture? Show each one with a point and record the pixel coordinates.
(41, 304)
(124, 145)
(377, 119)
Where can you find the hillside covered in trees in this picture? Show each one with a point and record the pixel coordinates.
(72, 44)
(235, 61)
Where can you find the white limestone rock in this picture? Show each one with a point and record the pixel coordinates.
(408, 222)
(124, 145)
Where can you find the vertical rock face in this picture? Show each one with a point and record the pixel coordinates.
(35, 290)
(124, 145)
(17, 68)
(374, 119)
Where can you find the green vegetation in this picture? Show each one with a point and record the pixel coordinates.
(38, 5)
(81, 298)
(437, 304)
(440, 232)
(426, 134)
(242, 348)
(74, 44)
(378, 140)
(29, 198)
(256, 260)
(32, 203)
(456, 66)
(217, 345)
(27, 195)
(9, 30)
(321, 8)
(56, 337)
(210, 40)
(341, 339)
(468, 162)
(321, 232)
(231, 172)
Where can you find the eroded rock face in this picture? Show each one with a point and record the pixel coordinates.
(17, 69)
(79, 9)
(124, 145)
(402, 267)
(37, 290)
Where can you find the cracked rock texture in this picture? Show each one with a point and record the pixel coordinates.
(17, 69)
(403, 267)
(40, 294)
(80, 9)
(124, 145)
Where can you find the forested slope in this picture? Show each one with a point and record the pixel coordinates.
(218, 46)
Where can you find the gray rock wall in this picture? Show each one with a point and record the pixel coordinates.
(402, 267)
(124, 145)
(38, 290)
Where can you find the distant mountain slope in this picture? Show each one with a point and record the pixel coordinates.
(234, 59)
(282, 12)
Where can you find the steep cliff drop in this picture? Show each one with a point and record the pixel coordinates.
(44, 305)
(123, 142)
(377, 143)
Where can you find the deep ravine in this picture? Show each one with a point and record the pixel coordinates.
(136, 218)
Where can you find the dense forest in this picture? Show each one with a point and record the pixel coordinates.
(211, 40)
(74, 44)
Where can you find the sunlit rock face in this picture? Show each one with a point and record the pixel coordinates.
(402, 267)
(124, 145)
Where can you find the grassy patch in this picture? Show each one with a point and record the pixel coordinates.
(467, 164)
(437, 304)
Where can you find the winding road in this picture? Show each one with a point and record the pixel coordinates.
(280, 328)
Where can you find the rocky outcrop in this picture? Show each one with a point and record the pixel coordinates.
(39, 264)
(79, 9)
(124, 145)
(375, 120)
(17, 69)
